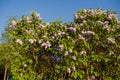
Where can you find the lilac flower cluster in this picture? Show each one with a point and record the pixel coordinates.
(111, 40)
(38, 16)
(32, 41)
(29, 19)
(42, 26)
(19, 41)
(91, 12)
(83, 52)
(13, 24)
(80, 37)
(74, 58)
(87, 32)
(68, 52)
(72, 29)
(69, 70)
(28, 31)
(46, 44)
(57, 35)
(59, 47)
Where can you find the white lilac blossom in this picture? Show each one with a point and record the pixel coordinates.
(38, 16)
(53, 37)
(19, 41)
(69, 70)
(46, 44)
(42, 26)
(80, 37)
(43, 44)
(73, 68)
(106, 27)
(33, 33)
(66, 53)
(91, 12)
(13, 23)
(73, 57)
(111, 40)
(100, 22)
(111, 53)
(40, 41)
(28, 20)
(87, 32)
(74, 41)
(60, 47)
(44, 36)
(92, 77)
(109, 16)
(21, 74)
(28, 31)
(106, 22)
(70, 51)
(32, 41)
(68, 37)
(81, 24)
(82, 17)
(83, 52)
(60, 33)
(84, 21)
(10, 26)
(72, 29)
(25, 65)
(76, 16)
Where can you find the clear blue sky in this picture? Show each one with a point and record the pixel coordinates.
(51, 10)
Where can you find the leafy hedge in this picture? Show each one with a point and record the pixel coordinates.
(86, 49)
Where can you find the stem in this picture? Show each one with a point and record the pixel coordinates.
(37, 71)
(36, 59)
(87, 73)
(5, 73)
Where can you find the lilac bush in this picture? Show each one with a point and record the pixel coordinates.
(86, 49)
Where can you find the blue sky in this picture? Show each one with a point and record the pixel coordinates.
(51, 10)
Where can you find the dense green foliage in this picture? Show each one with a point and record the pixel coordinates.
(86, 49)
